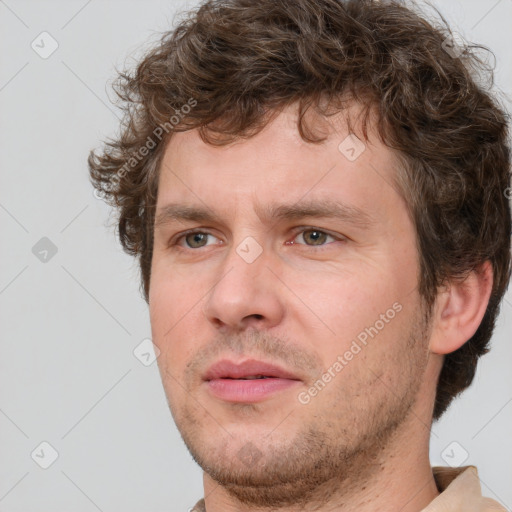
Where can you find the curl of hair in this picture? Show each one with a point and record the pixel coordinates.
(236, 63)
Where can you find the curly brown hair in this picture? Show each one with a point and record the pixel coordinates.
(229, 65)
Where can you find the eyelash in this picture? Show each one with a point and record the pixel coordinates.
(175, 243)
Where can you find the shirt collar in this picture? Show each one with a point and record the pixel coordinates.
(460, 491)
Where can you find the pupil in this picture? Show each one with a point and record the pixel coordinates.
(196, 239)
(316, 236)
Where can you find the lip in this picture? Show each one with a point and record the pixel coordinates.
(224, 380)
(226, 369)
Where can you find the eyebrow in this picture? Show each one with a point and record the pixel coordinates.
(274, 212)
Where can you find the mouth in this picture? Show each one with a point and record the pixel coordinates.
(249, 369)
(251, 377)
(249, 381)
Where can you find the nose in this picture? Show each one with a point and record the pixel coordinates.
(246, 294)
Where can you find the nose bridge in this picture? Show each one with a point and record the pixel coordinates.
(244, 292)
(243, 270)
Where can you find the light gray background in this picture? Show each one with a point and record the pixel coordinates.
(68, 375)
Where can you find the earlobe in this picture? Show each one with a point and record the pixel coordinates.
(460, 309)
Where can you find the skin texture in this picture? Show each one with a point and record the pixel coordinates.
(361, 442)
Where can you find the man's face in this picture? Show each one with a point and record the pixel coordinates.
(330, 299)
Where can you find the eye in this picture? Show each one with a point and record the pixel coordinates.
(194, 239)
(313, 237)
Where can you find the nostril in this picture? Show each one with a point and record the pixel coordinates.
(253, 317)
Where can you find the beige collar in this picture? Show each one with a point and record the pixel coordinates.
(460, 491)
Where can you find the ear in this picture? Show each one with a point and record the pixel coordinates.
(459, 310)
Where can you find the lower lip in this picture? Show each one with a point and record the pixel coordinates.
(253, 390)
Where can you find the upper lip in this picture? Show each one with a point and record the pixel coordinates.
(229, 369)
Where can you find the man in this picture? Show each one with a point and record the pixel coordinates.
(317, 194)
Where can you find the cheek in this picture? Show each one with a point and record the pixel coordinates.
(356, 315)
(171, 294)
(344, 298)
(174, 310)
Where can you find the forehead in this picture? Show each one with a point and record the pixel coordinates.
(278, 166)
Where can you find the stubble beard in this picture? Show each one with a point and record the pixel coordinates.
(335, 454)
